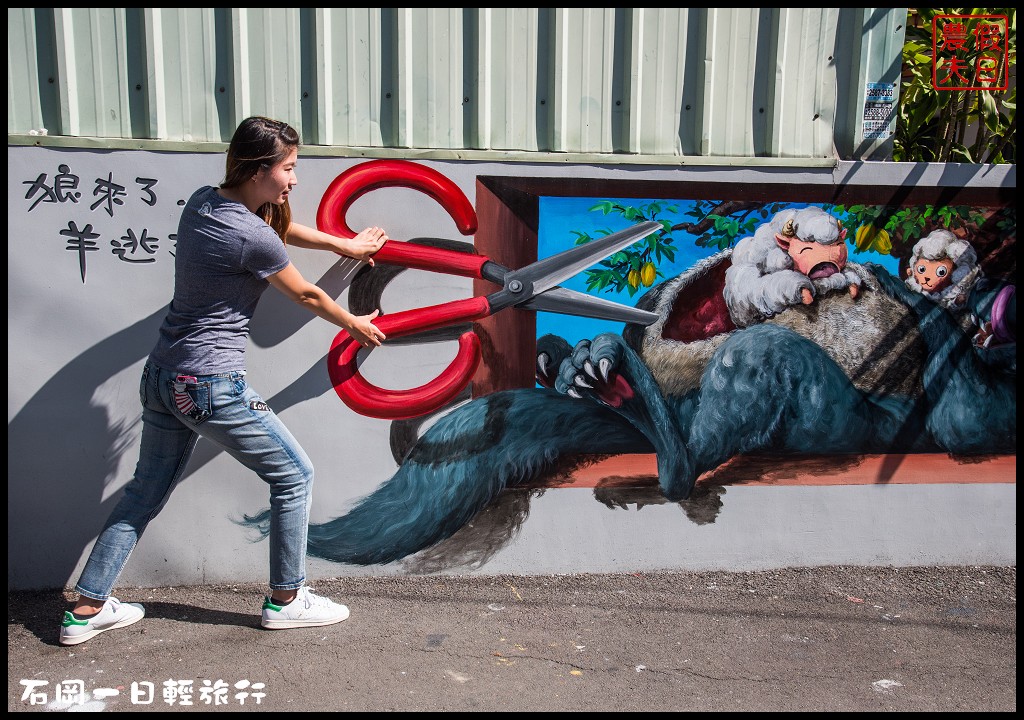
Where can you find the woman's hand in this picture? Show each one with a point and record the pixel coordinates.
(360, 247)
(365, 244)
(364, 331)
(296, 288)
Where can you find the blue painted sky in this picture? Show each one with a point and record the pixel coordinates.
(561, 217)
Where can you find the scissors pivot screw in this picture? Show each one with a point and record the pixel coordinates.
(515, 286)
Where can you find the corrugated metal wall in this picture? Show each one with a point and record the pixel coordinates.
(659, 84)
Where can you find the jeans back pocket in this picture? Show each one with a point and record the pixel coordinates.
(143, 383)
(192, 398)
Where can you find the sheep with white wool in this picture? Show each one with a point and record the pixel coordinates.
(943, 267)
(790, 260)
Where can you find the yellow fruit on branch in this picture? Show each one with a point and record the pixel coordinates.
(633, 278)
(648, 273)
(869, 237)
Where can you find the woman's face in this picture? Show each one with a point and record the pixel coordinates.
(274, 183)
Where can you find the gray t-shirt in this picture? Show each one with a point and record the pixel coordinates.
(223, 256)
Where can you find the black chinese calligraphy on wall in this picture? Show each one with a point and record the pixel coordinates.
(110, 194)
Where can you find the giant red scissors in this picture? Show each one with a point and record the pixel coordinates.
(534, 287)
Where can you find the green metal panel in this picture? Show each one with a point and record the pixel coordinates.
(188, 82)
(805, 91)
(348, 66)
(22, 72)
(582, 80)
(429, 56)
(504, 104)
(729, 71)
(266, 49)
(659, 42)
(881, 36)
(662, 85)
(92, 65)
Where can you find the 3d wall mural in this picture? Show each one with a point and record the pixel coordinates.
(764, 326)
(753, 355)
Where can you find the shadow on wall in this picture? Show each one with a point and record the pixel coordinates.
(65, 451)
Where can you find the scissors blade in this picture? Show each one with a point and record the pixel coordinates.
(549, 272)
(570, 302)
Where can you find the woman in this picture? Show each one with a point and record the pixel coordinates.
(230, 247)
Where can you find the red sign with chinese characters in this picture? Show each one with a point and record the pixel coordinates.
(969, 52)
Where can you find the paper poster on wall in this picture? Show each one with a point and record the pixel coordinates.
(879, 110)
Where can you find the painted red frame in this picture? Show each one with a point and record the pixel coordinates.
(508, 209)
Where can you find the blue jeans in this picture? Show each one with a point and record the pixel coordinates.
(227, 412)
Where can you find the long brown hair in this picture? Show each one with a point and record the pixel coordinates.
(260, 142)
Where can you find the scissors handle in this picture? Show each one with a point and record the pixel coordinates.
(372, 401)
(422, 257)
(361, 179)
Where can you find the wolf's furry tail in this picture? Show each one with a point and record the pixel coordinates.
(461, 464)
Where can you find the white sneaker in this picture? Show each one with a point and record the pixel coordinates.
(113, 614)
(306, 610)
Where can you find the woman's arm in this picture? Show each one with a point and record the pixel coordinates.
(295, 287)
(361, 247)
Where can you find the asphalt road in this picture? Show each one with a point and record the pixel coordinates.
(809, 639)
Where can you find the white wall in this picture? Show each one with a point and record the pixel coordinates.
(76, 349)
